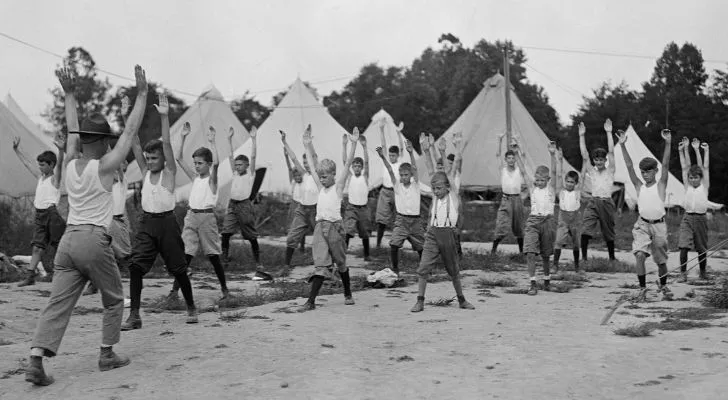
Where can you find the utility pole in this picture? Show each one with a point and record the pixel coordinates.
(507, 86)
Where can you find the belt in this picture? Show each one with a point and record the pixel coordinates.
(511, 194)
(51, 207)
(408, 216)
(357, 205)
(239, 201)
(653, 221)
(203, 211)
(387, 188)
(541, 215)
(119, 217)
(158, 215)
(694, 213)
(309, 205)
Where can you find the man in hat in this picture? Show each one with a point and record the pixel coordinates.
(84, 252)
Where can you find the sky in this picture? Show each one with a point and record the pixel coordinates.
(262, 46)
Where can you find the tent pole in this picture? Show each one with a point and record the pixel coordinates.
(507, 74)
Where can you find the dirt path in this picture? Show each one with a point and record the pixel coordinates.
(550, 346)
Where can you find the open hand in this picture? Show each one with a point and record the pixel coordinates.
(253, 132)
(16, 142)
(66, 76)
(408, 145)
(582, 129)
(400, 127)
(442, 146)
(141, 79)
(283, 136)
(552, 147)
(124, 106)
(382, 124)
(380, 151)
(621, 136)
(186, 129)
(163, 107)
(60, 141)
(424, 141)
(344, 138)
(363, 140)
(430, 140)
(666, 135)
(457, 138)
(307, 137)
(211, 134)
(682, 144)
(559, 154)
(354, 137)
(695, 143)
(608, 125)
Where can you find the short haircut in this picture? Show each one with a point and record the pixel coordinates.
(326, 165)
(440, 177)
(153, 146)
(542, 171)
(394, 149)
(695, 170)
(47, 157)
(204, 153)
(510, 153)
(358, 160)
(451, 157)
(648, 164)
(599, 153)
(406, 167)
(243, 158)
(573, 175)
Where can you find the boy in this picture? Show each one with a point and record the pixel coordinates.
(510, 211)
(84, 252)
(295, 176)
(694, 225)
(356, 219)
(567, 231)
(441, 236)
(328, 236)
(407, 223)
(600, 208)
(240, 213)
(158, 232)
(385, 202)
(200, 226)
(304, 216)
(49, 225)
(539, 231)
(650, 231)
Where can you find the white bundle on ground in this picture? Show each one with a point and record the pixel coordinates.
(25, 260)
(386, 277)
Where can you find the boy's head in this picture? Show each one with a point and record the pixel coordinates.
(440, 167)
(510, 158)
(305, 164)
(599, 157)
(571, 180)
(154, 155)
(297, 175)
(202, 159)
(405, 173)
(440, 184)
(541, 176)
(695, 175)
(393, 154)
(357, 165)
(241, 164)
(648, 169)
(46, 162)
(326, 172)
(450, 160)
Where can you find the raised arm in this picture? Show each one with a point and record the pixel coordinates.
(287, 149)
(425, 146)
(136, 145)
(288, 164)
(684, 160)
(66, 77)
(112, 160)
(560, 172)
(437, 152)
(308, 147)
(211, 140)
(521, 166)
(552, 173)
(382, 136)
(341, 182)
(387, 165)
(400, 137)
(582, 145)
(60, 142)
(179, 155)
(622, 139)
(231, 133)
(665, 173)
(363, 141)
(344, 141)
(610, 146)
(163, 109)
(698, 158)
(411, 152)
(457, 164)
(24, 158)
(253, 151)
(706, 165)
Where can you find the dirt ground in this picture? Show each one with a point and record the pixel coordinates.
(512, 346)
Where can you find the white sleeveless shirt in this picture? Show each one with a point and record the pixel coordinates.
(386, 179)
(118, 191)
(542, 201)
(156, 198)
(511, 180)
(201, 196)
(309, 190)
(407, 199)
(46, 195)
(649, 203)
(358, 190)
(328, 206)
(569, 200)
(696, 199)
(241, 186)
(89, 203)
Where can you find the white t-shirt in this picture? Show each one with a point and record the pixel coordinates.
(201, 196)
(601, 182)
(241, 186)
(309, 190)
(46, 195)
(542, 201)
(358, 190)
(696, 199)
(328, 206)
(649, 203)
(511, 180)
(407, 199)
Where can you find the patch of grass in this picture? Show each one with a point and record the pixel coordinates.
(717, 297)
(637, 330)
(42, 293)
(441, 302)
(484, 283)
(167, 303)
(672, 324)
(4, 342)
(628, 286)
(232, 316)
(81, 310)
(699, 314)
(606, 266)
(563, 287)
(570, 277)
(516, 290)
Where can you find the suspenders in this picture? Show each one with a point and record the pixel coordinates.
(448, 222)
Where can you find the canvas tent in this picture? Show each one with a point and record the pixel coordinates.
(481, 123)
(15, 179)
(675, 193)
(210, 109)
(29, 125)
(294, 113)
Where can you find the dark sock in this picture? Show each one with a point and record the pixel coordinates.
(421, 298)
(135, 288)
(289, 255)
(256, 250)
(520, 245)
(188, 258)
(175, 285)
(683, 260)
(610, 249)
(703, 260)
(663, 280)
(461, 299)
(365, 243)
(419, 254)
(394, 256)
(303, 242)
(185, 285)
(584, 246)
(495, 245)
(557, 256)
(219, 271)
(316, 283)
(643, 281)
(576, 257)
(226, 243)
(348, 238)
(346, 280)
(380, 233)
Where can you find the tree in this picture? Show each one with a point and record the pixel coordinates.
(719, 89)
(249, 111)
(91, 92)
